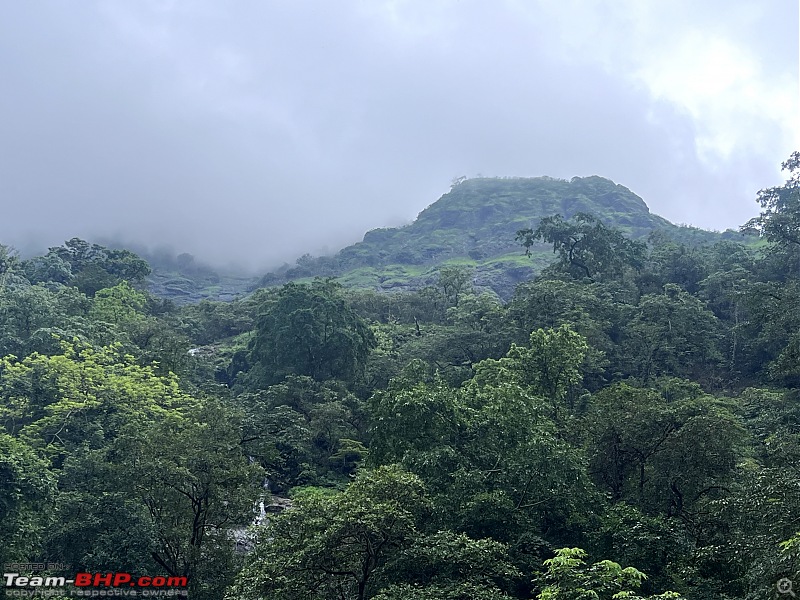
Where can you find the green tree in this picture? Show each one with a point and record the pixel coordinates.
(551, 366)
(161, 497)
(665, 456)
(82, 397)
(760, 513)
(12, 270)
(34, 317)
(303, 431)
(728, 292)
(568, 577)
(454, 281)
(335, 545)
(450, 566)
(27, 489)
(95, 267)
(663, 547)
(671, 334)
(48, 268)
(309, 330)
(671, 262)
(779, 221)
(488, 452)
(197, 485)
(99, 522)
(412, 420)
(586, 248)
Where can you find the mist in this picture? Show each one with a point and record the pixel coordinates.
(254, 132)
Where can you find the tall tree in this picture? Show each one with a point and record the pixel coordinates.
(586, 248)
(779, 221)
(27, 488)
(332, 546)
(309, 330)
(671, 333)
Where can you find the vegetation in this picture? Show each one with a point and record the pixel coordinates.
(624, 425)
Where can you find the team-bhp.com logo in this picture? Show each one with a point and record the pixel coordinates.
(93, 585)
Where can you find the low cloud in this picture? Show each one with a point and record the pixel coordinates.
(259, 131)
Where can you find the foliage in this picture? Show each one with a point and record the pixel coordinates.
(89, 267)
(569, 578)
(488, 451)
(454, 281)
(26, 493)
(81, 397)
(304, 432)
(671, 333)
(664, 456)
(309, 330)
(779, 221)
(335, 546)
(586, 247)
(550, 367)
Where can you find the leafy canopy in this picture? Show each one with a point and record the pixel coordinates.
(309, 330)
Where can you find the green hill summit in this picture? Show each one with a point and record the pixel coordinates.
(479, 217)
(475, 224)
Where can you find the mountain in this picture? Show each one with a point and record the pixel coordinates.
(475, 225)
(185, 280)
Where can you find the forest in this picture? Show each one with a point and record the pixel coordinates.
(626, 425)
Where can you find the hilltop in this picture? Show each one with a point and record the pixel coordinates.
(475, 224)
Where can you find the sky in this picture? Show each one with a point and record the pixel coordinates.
(252, 132)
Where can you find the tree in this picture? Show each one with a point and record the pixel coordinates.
(779, 221)
(550, 367)
(8, 259)
(149, 477)
(309, 330)
(303, 431)
(27, 488)
(665, 456)
(568, 577)
(98, 520)
(663, 547)
(82, 397)
(162, 496)
(12, 271)
(488, 451)
(454, 281)
(48, 268)
(196, 489)
(672, 262)
(586, 248)
(411, 421)
(121, 305)
(671, 334)
(447, 565)
(92, 266)
(761, 512)
(333, 546)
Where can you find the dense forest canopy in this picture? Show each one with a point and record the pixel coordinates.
(626, 425)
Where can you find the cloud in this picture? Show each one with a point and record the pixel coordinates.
(258, 131)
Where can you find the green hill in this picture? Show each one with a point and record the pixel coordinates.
(475, 225)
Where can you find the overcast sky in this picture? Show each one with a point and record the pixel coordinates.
(256, 131)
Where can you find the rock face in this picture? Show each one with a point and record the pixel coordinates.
(277, 505)
(184, 288)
